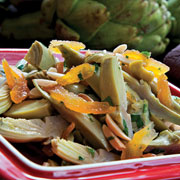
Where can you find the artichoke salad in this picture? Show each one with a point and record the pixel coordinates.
(95, 106)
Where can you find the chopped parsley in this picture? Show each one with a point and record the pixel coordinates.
(145, 108)
(65, 64)
(80, 76)
(90, 118)
(159, 69)
(125, 127)
(146, 53)
(110, 138)
(21, 67)
(127, 56)
(137, 118)
(2, 73)
(123, 64)
(109, 100)
(91, 151)
(80, 158)
(96, 67)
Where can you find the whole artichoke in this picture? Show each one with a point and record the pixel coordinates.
(100, 24)
(142, 24)
(174, 8)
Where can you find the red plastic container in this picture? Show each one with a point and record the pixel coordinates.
(13, 165)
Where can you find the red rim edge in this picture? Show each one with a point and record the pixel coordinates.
(13, 165)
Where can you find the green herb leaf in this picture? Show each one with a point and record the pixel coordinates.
(80, 76)
(64, 63)
(91, 151)
(21, 67)
(110, 138)
(137, 118)
(80, 158)
(145, 108)
(146, 53)
(2, 73)
(127, 56)
(90, 117)
(109, 100)
(96, 67)
(125, 127)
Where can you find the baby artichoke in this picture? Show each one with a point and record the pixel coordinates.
(101, 24)
(174, 8)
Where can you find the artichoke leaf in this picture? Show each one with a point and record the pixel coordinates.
(158, 109)
(48, 9)
(27, 26)
(65, 32)
(89, 127)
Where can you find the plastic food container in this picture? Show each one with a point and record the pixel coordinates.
(14, 165)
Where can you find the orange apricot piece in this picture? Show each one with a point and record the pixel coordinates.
(164, 93)
(77, 74)
(78, 104)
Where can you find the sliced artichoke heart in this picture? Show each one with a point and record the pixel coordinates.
(89, 127)
(165, 138)
(71, 56)
(112, 82)
(138, 71)
(39, 56)
(22, 130)
(5, 100)
(80, 154)
(157, 108)
(30, 109)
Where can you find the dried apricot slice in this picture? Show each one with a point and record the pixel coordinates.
(19, 92)
(16, 82)
(139, 142)
(72, 44)
(78, 104)
(77, 74)
(134, 55)
(164, 93)
(150, 64)
(9, 76)
(156, 67)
